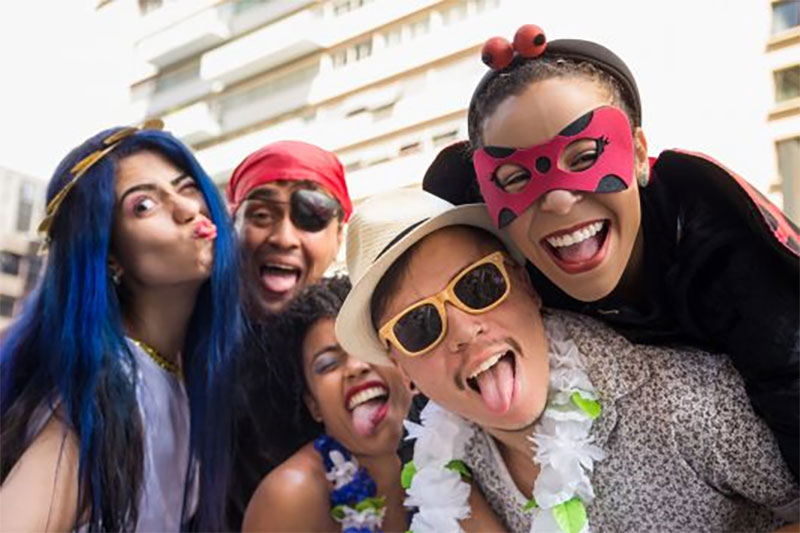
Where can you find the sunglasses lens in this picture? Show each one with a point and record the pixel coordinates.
(419, 328)
(481, 287)
(312, 210)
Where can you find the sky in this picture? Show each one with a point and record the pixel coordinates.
(64, 77)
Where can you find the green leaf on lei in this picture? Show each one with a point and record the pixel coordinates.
(338, 512)
(457, 465)
(407, 474)
(590, 407)
(371, 503)
(570, 515)
(530, 504)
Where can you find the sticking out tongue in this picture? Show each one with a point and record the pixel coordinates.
(277, 280)
(582, 251)
(368, 415)
(497, 385)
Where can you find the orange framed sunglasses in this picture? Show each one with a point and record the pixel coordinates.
(478, 288)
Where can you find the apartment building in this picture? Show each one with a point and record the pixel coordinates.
(382, 83)
(783, 54)
(21, 208)
(386, 83)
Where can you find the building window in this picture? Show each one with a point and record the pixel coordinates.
(179, 76)
(25, 207)
(455, 13)
(243, 6)
(6, 305)
(383, 112)
(353, 53)
(394, 37)
(785, 15)
(363, 50)
(146, 6)
(479, 6)
(411, 148)
(448, 137)
(788, 152)
(345, 6)
(787, 84)
(9, 263)
(420, 27)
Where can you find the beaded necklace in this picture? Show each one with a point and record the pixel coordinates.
(354, 500)
(158, 359)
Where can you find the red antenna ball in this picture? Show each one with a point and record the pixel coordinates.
(497, 53)
(529, 41)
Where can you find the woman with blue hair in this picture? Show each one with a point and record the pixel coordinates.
(116, 376)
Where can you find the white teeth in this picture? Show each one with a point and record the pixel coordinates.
(486, 365)
(576, 236)
(365, 396)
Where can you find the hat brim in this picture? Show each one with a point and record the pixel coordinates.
(354, 329)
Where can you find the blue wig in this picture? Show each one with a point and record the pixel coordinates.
(68, 347)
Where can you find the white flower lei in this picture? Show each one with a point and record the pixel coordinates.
(563, 450)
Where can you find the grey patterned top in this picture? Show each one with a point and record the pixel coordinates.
(685, 452)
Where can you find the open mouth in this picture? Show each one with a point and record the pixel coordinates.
(368, 405)
(494, 380)
(279, 278)
(579, 248)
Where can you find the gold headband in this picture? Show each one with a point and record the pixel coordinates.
(82, 166)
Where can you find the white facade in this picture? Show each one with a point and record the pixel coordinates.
(783, 58)
(21, 209)
(386, 83)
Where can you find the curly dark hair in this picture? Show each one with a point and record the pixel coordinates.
(273, 421)
(517, 78)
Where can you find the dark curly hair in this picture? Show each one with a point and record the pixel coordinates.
(517, 78)
(273, 421)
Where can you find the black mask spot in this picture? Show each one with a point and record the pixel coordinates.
(577, 125)
(506, 217)
(611, 183)
(539, 39)
(543, 164)
(499, 151)
(602, 142)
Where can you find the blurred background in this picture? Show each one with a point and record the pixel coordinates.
(383, 83)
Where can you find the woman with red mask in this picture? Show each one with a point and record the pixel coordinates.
(670, 250)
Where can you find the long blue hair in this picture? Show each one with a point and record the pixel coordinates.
(67, 348)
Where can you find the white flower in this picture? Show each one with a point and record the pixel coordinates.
(437, 484)
(442, 497)
(442, 435)
(368, 518)
(343, 471)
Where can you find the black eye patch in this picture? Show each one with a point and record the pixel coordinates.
(577, 125)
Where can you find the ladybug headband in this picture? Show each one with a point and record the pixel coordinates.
(531, 44)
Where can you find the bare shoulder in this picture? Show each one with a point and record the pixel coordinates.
(41, 491)
(293, 497)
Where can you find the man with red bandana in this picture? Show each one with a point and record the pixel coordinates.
(289, 201)
(284, 198)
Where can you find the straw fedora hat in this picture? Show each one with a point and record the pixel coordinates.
(381, 229)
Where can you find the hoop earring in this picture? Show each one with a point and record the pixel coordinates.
(643, 178)
(115, 274)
